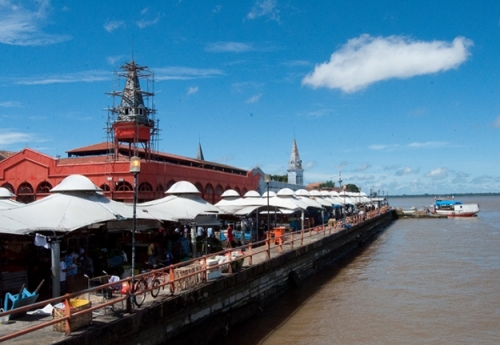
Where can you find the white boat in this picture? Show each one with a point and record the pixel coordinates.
(455, 208)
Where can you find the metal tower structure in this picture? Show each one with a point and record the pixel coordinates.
(133, 122)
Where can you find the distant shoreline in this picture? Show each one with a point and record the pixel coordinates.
(459, 195)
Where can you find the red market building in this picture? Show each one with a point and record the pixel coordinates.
(132, 131)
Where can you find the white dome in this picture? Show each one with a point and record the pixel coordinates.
(271, 194)
(334, 193)
(252, 194)
(286, 192)
(301, 192)
(74, 183)
(324, 193)
(315, 193)
(230, 193)
(183, 187)
(5, 193)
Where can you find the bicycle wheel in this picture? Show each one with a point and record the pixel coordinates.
(140, 288)
(155, 287)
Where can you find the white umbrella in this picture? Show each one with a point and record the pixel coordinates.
(182, 203)
(74, 204)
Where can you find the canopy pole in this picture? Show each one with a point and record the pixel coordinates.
(56, 268)
(193, 240)
(302, 216)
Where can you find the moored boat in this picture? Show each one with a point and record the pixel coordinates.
(454, 208)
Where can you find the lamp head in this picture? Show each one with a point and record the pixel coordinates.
(267, 178)
(135, 165)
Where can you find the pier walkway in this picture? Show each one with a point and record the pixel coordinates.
(116, 311)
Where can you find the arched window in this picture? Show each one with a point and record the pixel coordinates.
(9, 187)
(209, 193)
(237, 189)
(145, 187)
(25, 193)
(170, 184)
(160, 188)
(218, 190)
(123, 186)
(218, 193)
(209, 190)
(199, 187)
(105, 187)
(43, 188)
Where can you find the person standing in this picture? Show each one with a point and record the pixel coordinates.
(87, 264)
(62, 275)
(151, 254)
(229, 236)
(71, 271)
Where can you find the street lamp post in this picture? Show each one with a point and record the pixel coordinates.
(135, 168)
(267, 178)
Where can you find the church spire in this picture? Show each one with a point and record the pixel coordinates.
(295, 162)
(199, 154)
(295, 171)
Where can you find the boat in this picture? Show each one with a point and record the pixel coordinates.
(454, 208)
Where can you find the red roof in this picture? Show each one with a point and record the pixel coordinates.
(100, 153)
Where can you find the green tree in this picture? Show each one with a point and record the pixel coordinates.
(352, 188)
(279, 178)
(327, 184)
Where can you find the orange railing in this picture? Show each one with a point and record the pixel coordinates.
(174, 281)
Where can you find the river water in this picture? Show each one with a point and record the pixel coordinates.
(422, 281)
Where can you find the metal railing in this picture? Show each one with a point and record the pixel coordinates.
(174, 281)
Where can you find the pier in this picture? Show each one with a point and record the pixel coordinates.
(417, 214)
(207, 308)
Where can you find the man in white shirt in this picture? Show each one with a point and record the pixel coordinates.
(62, 275)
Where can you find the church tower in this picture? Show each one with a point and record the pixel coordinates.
(295, 171)
(132, 122)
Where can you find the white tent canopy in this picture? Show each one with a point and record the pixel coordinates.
(6, 199)
(74, 204)
(182, 203)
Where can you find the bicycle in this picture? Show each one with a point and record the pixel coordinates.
(152, 282)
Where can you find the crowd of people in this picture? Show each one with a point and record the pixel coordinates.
(72, 263)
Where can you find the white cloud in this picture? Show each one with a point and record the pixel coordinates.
(10, 104)
(428, 145)
(265, 8)
(112, 25)
(113, 59)
(496, 123)
(363, 167)
(234, 47)
(23, 27)
(382, 147)
(143, 23)
(318, 113)
(217, 9)
(460, 177)
(10, 138)
(404, 171)
(86, 76)
(185, 73)
(254, 99)
(192, 90)
(438, 174)
(366, 60)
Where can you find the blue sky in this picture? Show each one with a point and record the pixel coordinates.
(403, 97)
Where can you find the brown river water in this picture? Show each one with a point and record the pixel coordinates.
(422, 281)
